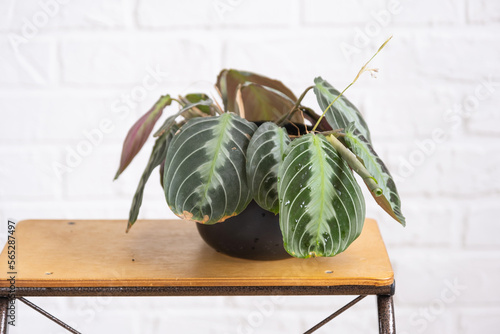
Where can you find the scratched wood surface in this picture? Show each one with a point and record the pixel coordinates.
(98, 253)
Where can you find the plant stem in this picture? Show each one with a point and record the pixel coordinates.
(363, 69)
(337, 133)
(355, 164)
(334, 100)
(178, 101)
(288, 115)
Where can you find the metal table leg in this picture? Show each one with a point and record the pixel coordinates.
(386, 322)
(4, 303)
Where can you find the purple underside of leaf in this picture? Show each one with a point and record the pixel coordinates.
(139, 133)
(228, 81)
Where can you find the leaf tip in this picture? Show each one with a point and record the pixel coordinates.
(158, 133)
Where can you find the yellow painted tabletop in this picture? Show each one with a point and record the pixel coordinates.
(98, 253)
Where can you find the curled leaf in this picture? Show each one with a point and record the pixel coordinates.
(169, 122)
(341, 113)
(264, 157)
(199, 110)
(138, 134)
(256, 103)
(389, 198)
(229, 80)
(157, 158)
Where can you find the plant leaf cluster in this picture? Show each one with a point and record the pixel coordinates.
(215, 159)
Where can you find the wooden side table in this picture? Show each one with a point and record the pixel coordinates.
(168, 258)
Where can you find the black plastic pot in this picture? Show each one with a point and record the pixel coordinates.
(253, 234)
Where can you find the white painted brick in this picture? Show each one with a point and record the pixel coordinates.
(154, 209)
(95, 14)
(106, 118)
(430, 12)
(353, 320)
(433, 58)
(480, 321)
(94, 321)
(63, 209)
(88, 315)
(420, 319)
(483, 11)
(30, 321)
(411, 59)
(292, 303)
(16, 15)
(93, 176)
(161, 14)
(58, 117)
(257, 13)
(280, 56)
(132, 60)
(424, 277)
(158, 303)
(414, 172)
(26, 62)
(482, 224)
(92, 179)
(26, 173)
(420, 170)
(89, 175)
(407, 112)
(485, 118)
(340, 12)
(227, 322)
(46, 15)
(428, 224)
(435, 50)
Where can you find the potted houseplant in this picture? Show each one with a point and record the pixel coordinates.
(261, 144)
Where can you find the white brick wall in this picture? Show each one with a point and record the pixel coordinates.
(68, 66)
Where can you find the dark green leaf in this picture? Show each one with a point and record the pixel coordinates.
(342, 112)
(389, 200)
(322, 209)
(264, 156)
(205, 175)
(157, 157)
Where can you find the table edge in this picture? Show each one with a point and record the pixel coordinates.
(200, 291)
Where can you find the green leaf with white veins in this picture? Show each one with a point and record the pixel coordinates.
(264, 156)
(205, 176)
(342, 112)
(389, 200)
(322, 209)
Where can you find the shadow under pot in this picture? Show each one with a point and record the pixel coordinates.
(254, 234)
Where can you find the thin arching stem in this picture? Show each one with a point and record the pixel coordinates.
(292, 111)
(363, 69)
